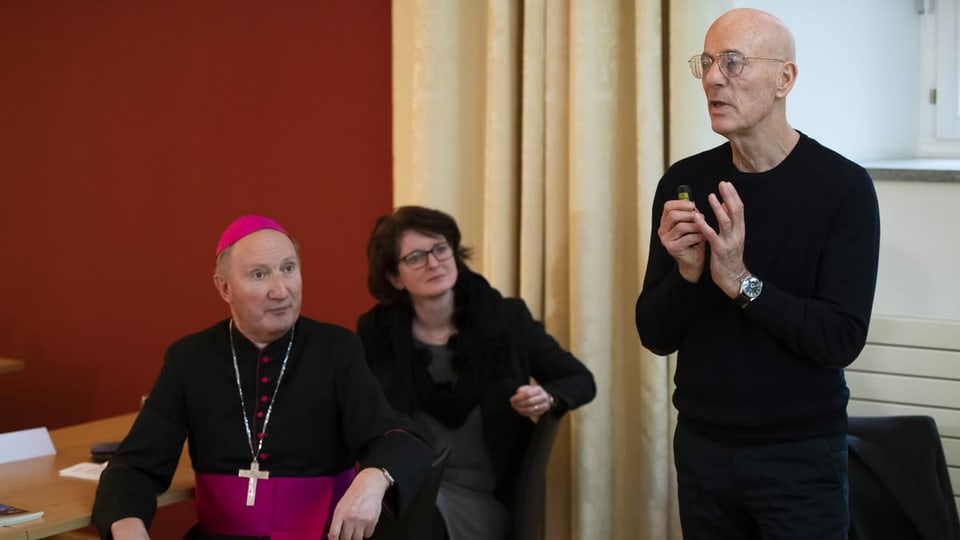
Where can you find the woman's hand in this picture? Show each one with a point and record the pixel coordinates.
(531, 401)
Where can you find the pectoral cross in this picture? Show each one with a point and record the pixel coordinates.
(252, 475)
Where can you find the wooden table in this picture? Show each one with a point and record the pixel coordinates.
(9, 365)
(35, 484)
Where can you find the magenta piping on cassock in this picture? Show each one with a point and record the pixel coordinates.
(286, 508)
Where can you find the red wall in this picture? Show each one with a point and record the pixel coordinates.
(131, 133)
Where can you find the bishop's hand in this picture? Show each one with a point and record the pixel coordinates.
(130, 528)
(358, 511)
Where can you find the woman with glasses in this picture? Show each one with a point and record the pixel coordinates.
(458, 357)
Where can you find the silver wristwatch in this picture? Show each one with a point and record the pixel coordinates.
(388, 476)
(750, 287)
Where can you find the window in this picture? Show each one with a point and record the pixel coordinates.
(940, 118)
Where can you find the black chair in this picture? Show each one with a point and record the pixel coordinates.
(899, 485)
(529, 495)
(418, 520)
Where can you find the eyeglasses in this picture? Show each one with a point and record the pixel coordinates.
(416, 260)
(731, 63)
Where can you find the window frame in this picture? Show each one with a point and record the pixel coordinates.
(940, 64)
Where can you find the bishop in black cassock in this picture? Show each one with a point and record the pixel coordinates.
(283, 418)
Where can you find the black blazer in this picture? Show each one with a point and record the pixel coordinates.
(899, 487)
(520, 344)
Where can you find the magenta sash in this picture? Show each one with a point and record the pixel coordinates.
(287, 508)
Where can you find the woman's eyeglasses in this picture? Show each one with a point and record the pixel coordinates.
(416, 260)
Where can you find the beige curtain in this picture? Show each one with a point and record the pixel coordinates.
(539, 125)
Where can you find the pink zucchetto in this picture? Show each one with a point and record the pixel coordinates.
(244, 226)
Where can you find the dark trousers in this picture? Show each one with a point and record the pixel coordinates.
(784, 491)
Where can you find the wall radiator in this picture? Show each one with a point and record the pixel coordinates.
(912, 367)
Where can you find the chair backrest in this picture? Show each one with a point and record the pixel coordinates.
(529, 495)
(899, 484)
(418, 519)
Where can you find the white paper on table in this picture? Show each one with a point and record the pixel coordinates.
(25, 444)
(86, 470)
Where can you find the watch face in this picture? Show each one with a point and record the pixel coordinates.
(751, 287)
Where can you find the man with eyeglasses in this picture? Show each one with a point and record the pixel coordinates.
(761, 278)
(290, 435)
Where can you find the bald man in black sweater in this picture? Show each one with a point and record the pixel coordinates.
(762, 281)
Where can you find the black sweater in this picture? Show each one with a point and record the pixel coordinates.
(774, 370)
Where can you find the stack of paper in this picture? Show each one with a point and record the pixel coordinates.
(85, 470)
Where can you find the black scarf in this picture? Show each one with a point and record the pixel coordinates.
(481, 350)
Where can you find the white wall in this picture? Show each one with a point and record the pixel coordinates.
(919, 250)
(858, 89)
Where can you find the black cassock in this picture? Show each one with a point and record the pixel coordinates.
(327, 415)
